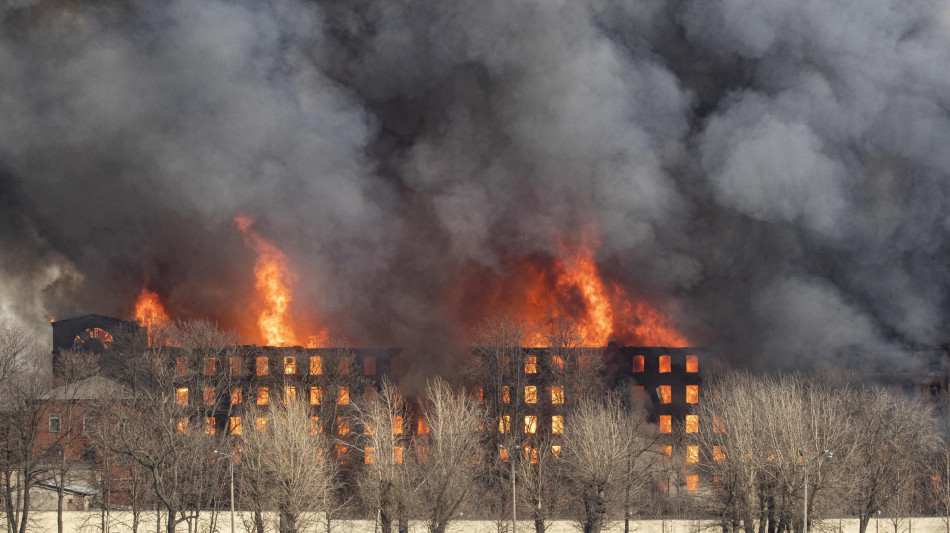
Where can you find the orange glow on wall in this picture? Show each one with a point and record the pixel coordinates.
(638, 364)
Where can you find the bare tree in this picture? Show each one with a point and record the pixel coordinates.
(607, 446)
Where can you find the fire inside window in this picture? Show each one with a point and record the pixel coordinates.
(692, 483)
(182, 426)
(209, 366)
(718, 454)
(181, 395)
(290, 365)
(209, 395)
(531, 453)
(665, 393)
(369, 366)
(263, 396)
(692, 363)
(505, 394)
(557, 363)
(557, 395)
(261, 366)
(209, 426)
(316, 394)
(668, 450)
(504, 424)
(666, 424)
(369, 455)
(531, 364)
(503, 453)
(262, 425)
(342, 425)
(344, 398)
(692, 454)
(557, 424)
(181, 368)
(664, 364)
(530, 424)
(237, 366)
(692, 423)
(531, 394)
(315, 425)
(234, 425)
(397, 455)
(316, 366)
(479, 394)
(55, 422)
(556, 450)
(637, 364)
(692, 393)
(290, 395)
(237, 395)
(422, 426)
(397, 425)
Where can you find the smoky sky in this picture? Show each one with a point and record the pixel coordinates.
(773, 175)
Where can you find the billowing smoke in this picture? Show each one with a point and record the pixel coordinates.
(772, 174)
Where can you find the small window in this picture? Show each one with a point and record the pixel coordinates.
(479, 394)
(692, 423)
(692, 363)
(237, 366)
(556, 450)
(369, 455)
(718, 426)
(692, 454)
(344, 398)
(181, 395)
(692, 483)
(290, 395)
(557, 363)
(369, 426)
(637, 364)
(505, 394)
(397, 455)
(262, 366)
(209, 426)
(531, 453)
(290, 365)
(316, 365)
(530, 424)
(182, 426)
(237, 395)
(55, 422)
(557, 424)
(718, 453)
(210, 366)
(664, 364)
(316, 394)
(397, 425)
(422, 426)
(668, 450)
(692, 393)
(89, 453)
(665, 393)
(503, 453)
(422, 454)
(315, 425)
(263, 396)
(531, 364)
(181, 367)
(557, 395)
(209, 395)
(342, 425)
(262, 425)
(504, 424)
(531, 394)
(343, 366)
(89, 424)
(666, 424)
(369, 366)
(234, 425)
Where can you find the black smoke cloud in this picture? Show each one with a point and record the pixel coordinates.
(773, 174)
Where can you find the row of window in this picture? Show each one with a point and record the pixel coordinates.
(692, 453)
(530, 394)
(262, 365)
(665, 393)
(56, 423)
(691, 423)
(664, 364)
(263, 395)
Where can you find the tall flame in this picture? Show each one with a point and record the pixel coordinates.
(151, 314)
(274, 278)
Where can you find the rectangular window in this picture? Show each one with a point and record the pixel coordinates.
(397, 425)
(181, 367)
(369, 426)
(479, 394)
(531, 364)
(344, 398)
(342, 425)
(181, 395)
(315, 425)
(316, 366)
(664, 364)
(503, 453)
(209, 395)
(556, 450)
(422, 426)
(665, 393)
(89, 424)
(557, 424)
(209, 426)
(557, 395)
(718, 453)
(397, 455)
(316, 394)
(692, 393)
(210, 366)
(692, 483)
(718, 426)
(262, 366)
(343, 367)
(530, 424)
(237, 395)
(692, 364)
(692, 454)
(263, 396)
(531, 454)
(369, 366)
(557, 363)
(668, 450)
(666, 424)
(369, 455)
(290, 395)
(505, 394)
(692, 423)
(504, 424)
(290, 365)
(182, 426)
(55, 422)
(262, 425)
(531, 394)
(234, 425)
(637, 364)
(237, 366)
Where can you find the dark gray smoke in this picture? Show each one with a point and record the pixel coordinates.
(772, 174)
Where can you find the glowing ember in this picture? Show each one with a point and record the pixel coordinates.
(150, 314)
(273, 286)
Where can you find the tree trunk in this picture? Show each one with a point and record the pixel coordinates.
(403, 525)
(386, 523)
(60, 496)
(863, 522)
(259, 521)
(25, 511)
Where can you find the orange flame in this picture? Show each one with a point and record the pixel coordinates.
(273, 286)
(150, 314)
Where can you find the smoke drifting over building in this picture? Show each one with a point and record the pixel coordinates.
(773, 176)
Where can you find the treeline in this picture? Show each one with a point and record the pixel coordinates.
(325, 444)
